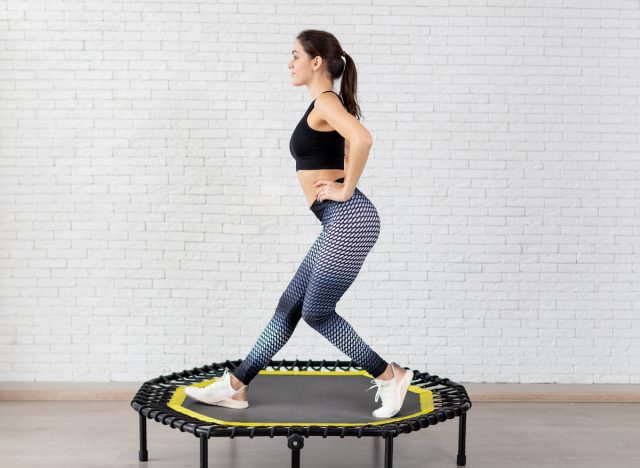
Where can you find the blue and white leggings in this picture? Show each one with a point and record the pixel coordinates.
(349, 231)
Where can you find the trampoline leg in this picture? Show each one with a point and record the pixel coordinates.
(295, 442)
(462, 432)
(388, 452)
(204, 455)
(143, 455)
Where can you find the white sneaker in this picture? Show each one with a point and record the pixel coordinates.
(392, 391)
(218, 393)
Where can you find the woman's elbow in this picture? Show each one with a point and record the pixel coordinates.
(362, 140)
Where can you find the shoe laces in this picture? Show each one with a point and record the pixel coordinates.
(227, 375)
(385, 389)
(220, 379)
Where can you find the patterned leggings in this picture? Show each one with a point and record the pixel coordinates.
(349, 231)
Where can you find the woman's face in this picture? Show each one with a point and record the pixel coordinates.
(299, 65)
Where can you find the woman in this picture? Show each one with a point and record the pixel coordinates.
(328, 171)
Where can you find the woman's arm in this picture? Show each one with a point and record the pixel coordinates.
(346, 157)
(359, 153)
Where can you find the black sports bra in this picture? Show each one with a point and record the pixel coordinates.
(316, 149)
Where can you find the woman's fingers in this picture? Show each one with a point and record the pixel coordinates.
(325, 186)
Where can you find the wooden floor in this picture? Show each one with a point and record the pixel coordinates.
(92, 434)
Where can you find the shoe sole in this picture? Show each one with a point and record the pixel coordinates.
(226, 402)
(402, 392)
(235, 404)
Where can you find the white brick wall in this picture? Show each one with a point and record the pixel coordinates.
(151, 216)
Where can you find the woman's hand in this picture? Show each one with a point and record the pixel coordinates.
(331, 190)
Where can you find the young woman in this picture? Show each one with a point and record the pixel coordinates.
(330, 147)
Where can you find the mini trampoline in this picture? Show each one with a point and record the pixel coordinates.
(298, 399)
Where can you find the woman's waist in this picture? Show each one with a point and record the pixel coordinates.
(308, 180)
(356, 205)
(317, 202)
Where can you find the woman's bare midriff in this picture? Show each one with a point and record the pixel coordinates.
(309, 177)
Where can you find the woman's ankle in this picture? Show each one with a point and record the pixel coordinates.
(389, 372)
(236, 383)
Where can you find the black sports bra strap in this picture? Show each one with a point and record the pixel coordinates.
(327, 91)
(331, 91)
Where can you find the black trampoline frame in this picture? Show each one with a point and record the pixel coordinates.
(450, 400)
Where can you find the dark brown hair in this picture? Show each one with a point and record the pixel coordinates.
(325, 44)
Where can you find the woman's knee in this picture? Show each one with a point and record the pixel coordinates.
(289, 305)
(316, 314)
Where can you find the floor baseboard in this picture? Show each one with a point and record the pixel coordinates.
(537, 393)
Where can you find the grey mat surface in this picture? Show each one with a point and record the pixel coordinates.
(337, 399)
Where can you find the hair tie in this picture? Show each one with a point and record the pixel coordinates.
(344, 60)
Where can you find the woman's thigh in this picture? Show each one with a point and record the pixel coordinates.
(339, 260)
